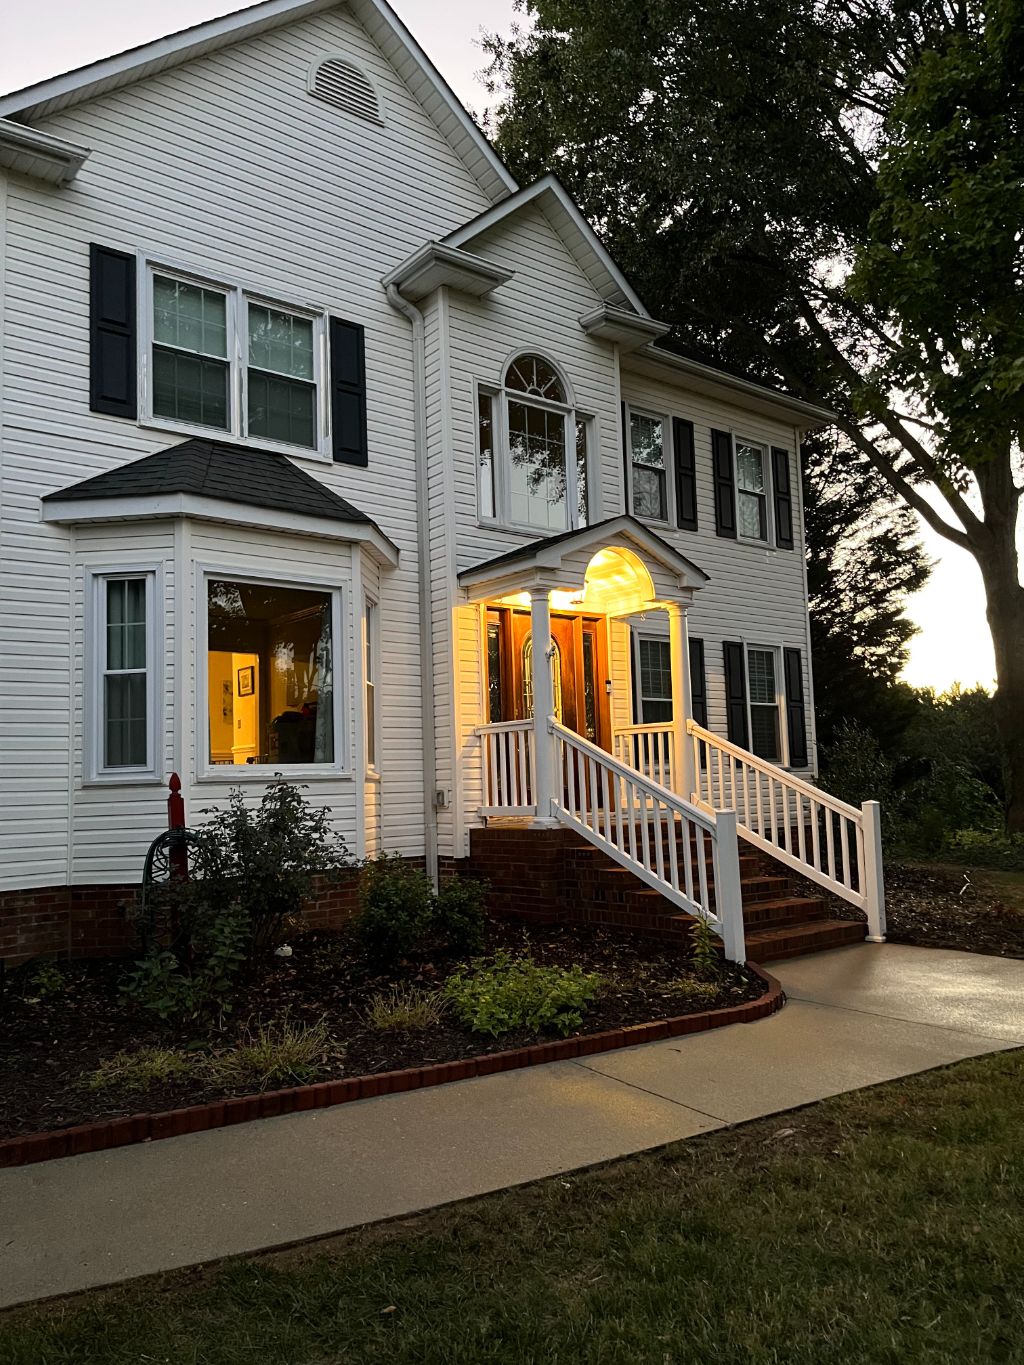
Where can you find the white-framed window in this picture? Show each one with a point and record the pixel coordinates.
(371, 653)
(653, 675)
(752, 490)
(532, 450)
(651, 492)
(217, 357)
(123, 630)
(269, 675)
(766, 703)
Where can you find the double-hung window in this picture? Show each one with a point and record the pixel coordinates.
(532, 450)
(654, 680)
(222, 360)
(648, 467)
(123, 731)
(765, 702)
(752, 490)
(370, 679)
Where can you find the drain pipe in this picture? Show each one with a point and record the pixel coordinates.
(415, 319)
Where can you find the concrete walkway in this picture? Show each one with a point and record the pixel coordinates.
(856, 1016)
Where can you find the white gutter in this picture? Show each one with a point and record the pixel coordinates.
(419, 367)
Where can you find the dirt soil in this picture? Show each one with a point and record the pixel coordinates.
(52, 1039)
(940, 906)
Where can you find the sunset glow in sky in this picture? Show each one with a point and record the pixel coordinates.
(50, 36)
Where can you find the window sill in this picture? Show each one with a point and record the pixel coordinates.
(126, 778)
(527, 532)
(252, 772)
(759, 544)
(167, 424)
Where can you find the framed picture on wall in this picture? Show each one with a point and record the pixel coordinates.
(247, 681)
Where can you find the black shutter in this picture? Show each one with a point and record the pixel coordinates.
(725, 485)
(796, 711)
(783, 498)
(112, 345)
(625, 457)
(736, 693)
(686, 474)
(698, 682)
(348, 393)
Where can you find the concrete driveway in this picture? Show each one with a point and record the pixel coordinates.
(856, 1016)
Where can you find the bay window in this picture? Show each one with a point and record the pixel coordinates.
(269, 674)
(532, 451)
(122, 684)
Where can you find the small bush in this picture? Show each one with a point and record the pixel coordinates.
(46, 981)
(508, 993)
(275, 1054)
(405, 1009)
(985, 848)
(705, 955)
(696, 992)
(460, 916)
(198, 980)
(396, 908)
(133, 1071)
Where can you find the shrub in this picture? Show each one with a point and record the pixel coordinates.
(704, 952)
(282, 1054)
(985, 848)
(406, 1008)
(508, 993)
(396, 907)
(696, 992)
(47, 980)
(133, 1071)
(460, 916)
(198, 978)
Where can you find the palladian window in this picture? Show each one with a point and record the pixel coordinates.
(532, 450)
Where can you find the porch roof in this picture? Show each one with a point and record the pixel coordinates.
(566, 559)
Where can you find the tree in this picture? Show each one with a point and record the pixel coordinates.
(863, 559)
(828, 192)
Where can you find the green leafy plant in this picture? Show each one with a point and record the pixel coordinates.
(396, 908)
(275, 1054)
(406, 1009)
(506, 993)
(149, 1066)
(705, 948)
(985, 848)
(199, 978)
(460, 915)
(46, 981)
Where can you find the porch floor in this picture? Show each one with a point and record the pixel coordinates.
(855, 1017)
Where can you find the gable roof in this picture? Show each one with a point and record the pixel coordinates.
(567, 218)
(377, 17)
(218, 471)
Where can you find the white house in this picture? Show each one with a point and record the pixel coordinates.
(313, 421)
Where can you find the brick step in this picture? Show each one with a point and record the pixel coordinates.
(784, 911)
(757, 888)
(773, 945)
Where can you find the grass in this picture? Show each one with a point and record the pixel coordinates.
(406, 1008)
(274, 1054)
(882, 1228)
(136, 1071)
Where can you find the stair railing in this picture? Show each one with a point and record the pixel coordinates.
(648, 748)
(664, 840)
(824, 839)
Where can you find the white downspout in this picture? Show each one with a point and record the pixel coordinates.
(419, 367)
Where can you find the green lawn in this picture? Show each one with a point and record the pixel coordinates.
(885, 1226)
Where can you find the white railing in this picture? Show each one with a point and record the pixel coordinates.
(645, 827)
(831, 843)
(509, 765)
(647, 748)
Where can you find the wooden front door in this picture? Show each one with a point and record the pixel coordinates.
(579, 670)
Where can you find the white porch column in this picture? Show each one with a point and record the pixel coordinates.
(545, 773)
(683, 777)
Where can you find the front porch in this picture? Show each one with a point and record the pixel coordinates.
(664, 801)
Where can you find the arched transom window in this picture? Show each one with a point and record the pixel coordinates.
(532, 450)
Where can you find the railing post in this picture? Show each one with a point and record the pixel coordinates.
(874, 878)
(728, 895)
(545, 744)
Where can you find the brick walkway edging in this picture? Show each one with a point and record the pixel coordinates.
(199, 1118)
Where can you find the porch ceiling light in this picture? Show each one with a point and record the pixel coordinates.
(567, 601)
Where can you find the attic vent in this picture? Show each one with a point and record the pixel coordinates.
(338, 82)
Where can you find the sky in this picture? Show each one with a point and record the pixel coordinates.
(50, 36)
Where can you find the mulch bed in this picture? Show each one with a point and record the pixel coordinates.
(943, 907)
(50, 1043)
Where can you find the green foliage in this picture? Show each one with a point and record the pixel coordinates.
(46, 981)
(696, 992)
(460, 915)
(150, 1066)
(986, 848)
(400, 916)
(279, 1054)
(396, 908)
(705, 950)
(406, 1009)
(506, 993)
(260, 866)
